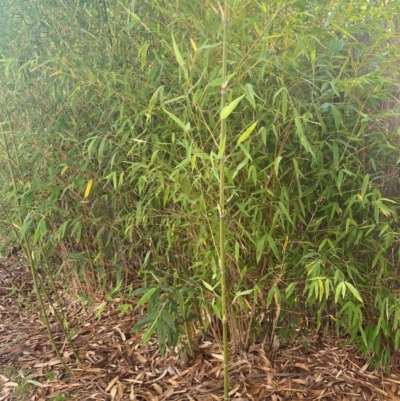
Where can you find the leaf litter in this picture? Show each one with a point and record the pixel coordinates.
(118, 366)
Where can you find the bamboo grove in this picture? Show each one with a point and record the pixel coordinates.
(111, 128)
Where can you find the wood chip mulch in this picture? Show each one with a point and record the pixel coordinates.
(118, 366)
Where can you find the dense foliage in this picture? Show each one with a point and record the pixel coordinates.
(110, 112)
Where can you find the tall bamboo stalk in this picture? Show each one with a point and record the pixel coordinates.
(222, 262)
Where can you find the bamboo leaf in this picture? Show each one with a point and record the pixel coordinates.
(193, 44)
(340, 288)
(365, 185)
(153, 101)
(260, 247)
(227, 110)
(276, 165)
(273, 247)
(250, 95)
(208, 286)
(178, 55)
(146, 320)
(247, 133)
(145, 297)
(241, 293)
(184, 126)
(222, 147)
(221, 80)
(88, 188)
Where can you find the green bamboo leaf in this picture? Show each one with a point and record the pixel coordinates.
(284, 103)
(260, 247)
(241, 293)
(168, 319)
(146, 320)
(146, 296)
(227, 110)
(149, 332)
(208, 286)
(273, 247)
(100, 310)
(160, 336)
(246, 133)
(184, 126)
(397, 339)
(250, 95)
(178, 54)
(221, 80)
(237, 251)
(40, 231)
(100, 154)
(273, 291)
(365, 185)
(363, 336)
(222, 148)
(335, 151)
(216, 310)
(143, 55)
(276, 165)
(344, 31)
(153, 101)
(340, 288)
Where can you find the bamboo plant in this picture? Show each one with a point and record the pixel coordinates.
(222, 261)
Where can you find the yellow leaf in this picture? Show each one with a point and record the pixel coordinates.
(193, 44)
(88, 188)
(56, 73)
(285, 244)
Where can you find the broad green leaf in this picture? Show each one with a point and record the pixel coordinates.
(276, 165)
(365, 185)
(221, 80)
(208, 286)
(177, 120)
(222, 148)
(100, 309)
(150, 318)
(153, 101)
(260, 247)
(341, 288)
(284, 103)
(227, 110)
(146, 296)
(100, 154)
(363, 336)
(354, 291)
(250, 95)
(178, 55)
(143, 55)
(168, 319)
(246, 133)
(160, 336)
(40, 231)
(344, 31)
(335, 155)
(237, 251)
(241, 293)
(273, 247)
(149, 332)
(397, 339)
(216, 310)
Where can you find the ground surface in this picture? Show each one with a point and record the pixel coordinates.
(117, 366)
